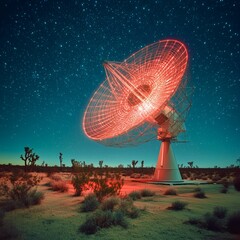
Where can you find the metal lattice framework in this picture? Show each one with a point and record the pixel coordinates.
(143, 96)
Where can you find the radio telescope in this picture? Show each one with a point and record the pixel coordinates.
(144, 97)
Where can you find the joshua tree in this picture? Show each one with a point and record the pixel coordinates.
(190, 164)
(134, 163)
(60, 158)
(29, 157)
(100, 163)
(142, 164)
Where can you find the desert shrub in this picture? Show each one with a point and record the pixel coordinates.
(170, 191)
(220, 212)
(103, 219)
(233, 223)
(178, 205)
(89, 226)
(105, 186)
(60, 186)
(126, 206)
(236, 183)
(119, 219)
(34, 197)
(133, 212)
(212, 223)
(90, 203)
(109, 204)
(18, 189)
(80, 182)
(134, 195)
(194, 221)
(56, 178)
(199, 194)
(147, 193)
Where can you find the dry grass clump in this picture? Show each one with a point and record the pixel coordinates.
(113, 212)
(90, 203)
(103, 219)
(178, 205)
(110, 203)
(147, 193)
(20, 190)
(135, 195)
(60, 186)
(199, 193)
(233, 223)
(218, 221)
(170, 191)
(80, 181)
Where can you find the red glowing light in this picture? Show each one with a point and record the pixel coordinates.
(136, 90)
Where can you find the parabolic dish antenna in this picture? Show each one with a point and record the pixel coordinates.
(144, 97)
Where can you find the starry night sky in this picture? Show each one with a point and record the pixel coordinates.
(51, 55)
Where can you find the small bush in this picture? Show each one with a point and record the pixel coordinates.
(89, 226)
(60, 186)
(212, 223)
(103, 219)
(194, 221)
(134, 195)
(56, 178)
(80, 182)
(133, 212)
(105, 186)
(199, 194)
(178, 205)
(90, 203)
(34, 198)
(126, 206)
(109, 204)
(236, 183)
(233, 223)
(119, 219)
(170, 191)
(147, 193)
(220, 212)
(18, 190)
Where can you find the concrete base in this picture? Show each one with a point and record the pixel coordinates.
(172, 183)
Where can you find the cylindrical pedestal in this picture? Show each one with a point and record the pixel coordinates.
(166, 168)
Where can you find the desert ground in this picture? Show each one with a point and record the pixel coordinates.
(59, 216)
